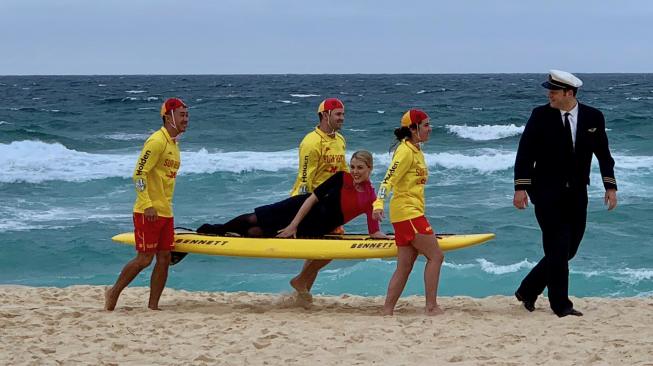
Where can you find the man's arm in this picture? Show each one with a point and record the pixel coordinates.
(146, 162)
(524, 162)
(309, 158)
(606, 164)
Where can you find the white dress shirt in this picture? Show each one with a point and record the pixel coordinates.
(573, 121)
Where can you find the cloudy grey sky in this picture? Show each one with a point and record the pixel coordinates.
(337, 36)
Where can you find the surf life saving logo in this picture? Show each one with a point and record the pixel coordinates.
(173, 165)
(422, 175)
(140, 184)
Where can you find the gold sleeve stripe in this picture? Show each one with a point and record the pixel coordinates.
(522, 181)
(609, 180)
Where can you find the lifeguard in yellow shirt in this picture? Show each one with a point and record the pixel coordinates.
(322, 151)
(406, 178)
(154, 179)
(321, 155)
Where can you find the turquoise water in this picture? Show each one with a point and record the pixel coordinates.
(68, 146)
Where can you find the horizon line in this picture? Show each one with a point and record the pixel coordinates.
(336, 74)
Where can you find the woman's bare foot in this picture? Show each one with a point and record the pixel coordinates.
(433, 311)
(387, 312)
(154, 308)
(109, 300)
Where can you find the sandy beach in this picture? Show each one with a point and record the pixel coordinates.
(63, 326)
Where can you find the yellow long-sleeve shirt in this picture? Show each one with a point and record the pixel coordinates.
(406, 178)
(320, 156)
(155, 173)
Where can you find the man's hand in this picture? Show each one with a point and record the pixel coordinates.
(520, 200)
(378, 214)
(610, 198)
(150, 214)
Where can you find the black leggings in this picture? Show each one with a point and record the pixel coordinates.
(243, 225)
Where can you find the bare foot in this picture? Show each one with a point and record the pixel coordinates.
(302, 291)
(387, 312)
(436, 310)
(109, 300)
(154, 308)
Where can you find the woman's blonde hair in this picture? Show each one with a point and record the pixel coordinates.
(364, 156)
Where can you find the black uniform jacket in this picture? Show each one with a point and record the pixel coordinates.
(543, 161)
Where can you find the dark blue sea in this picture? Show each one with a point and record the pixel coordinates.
(68, 145)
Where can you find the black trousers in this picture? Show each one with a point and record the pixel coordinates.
(561, 216)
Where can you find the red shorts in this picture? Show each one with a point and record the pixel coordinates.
(405, 230)
(154, 236)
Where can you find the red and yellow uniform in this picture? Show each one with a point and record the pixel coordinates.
(406, 178)
(320, 156)
(155, 174)
(154, 178)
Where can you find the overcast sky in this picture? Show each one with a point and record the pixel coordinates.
(336, 36)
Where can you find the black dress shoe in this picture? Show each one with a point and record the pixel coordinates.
(570, 311)
(528, 304)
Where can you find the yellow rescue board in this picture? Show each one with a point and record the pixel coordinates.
(348, 246)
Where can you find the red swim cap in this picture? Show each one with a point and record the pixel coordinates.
(413, 116)
(329, 105)
(170, 104)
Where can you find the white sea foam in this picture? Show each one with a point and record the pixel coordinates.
(239, 161)
(481, 160)
(128, 98)
(127, 136)
(380, 112)
(432, 91)
(4, 123)
(459, 266)
(400, 84)
(135, 91)
(102, 85)
(634, 276)
(498, 269)
(304, 95)
(631, 276)
(53, 218)
(487, 160)
(485, 132)
(151, 99)
(628, 162)
(35, 161)
(287, 102)
(355, 130)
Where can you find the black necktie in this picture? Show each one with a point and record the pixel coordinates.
(570, 161)
(570, 142)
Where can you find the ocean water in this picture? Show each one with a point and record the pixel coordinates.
(68, 145)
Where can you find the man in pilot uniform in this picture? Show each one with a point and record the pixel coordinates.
(552, 168)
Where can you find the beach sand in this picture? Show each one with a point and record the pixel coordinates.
(63, 326)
